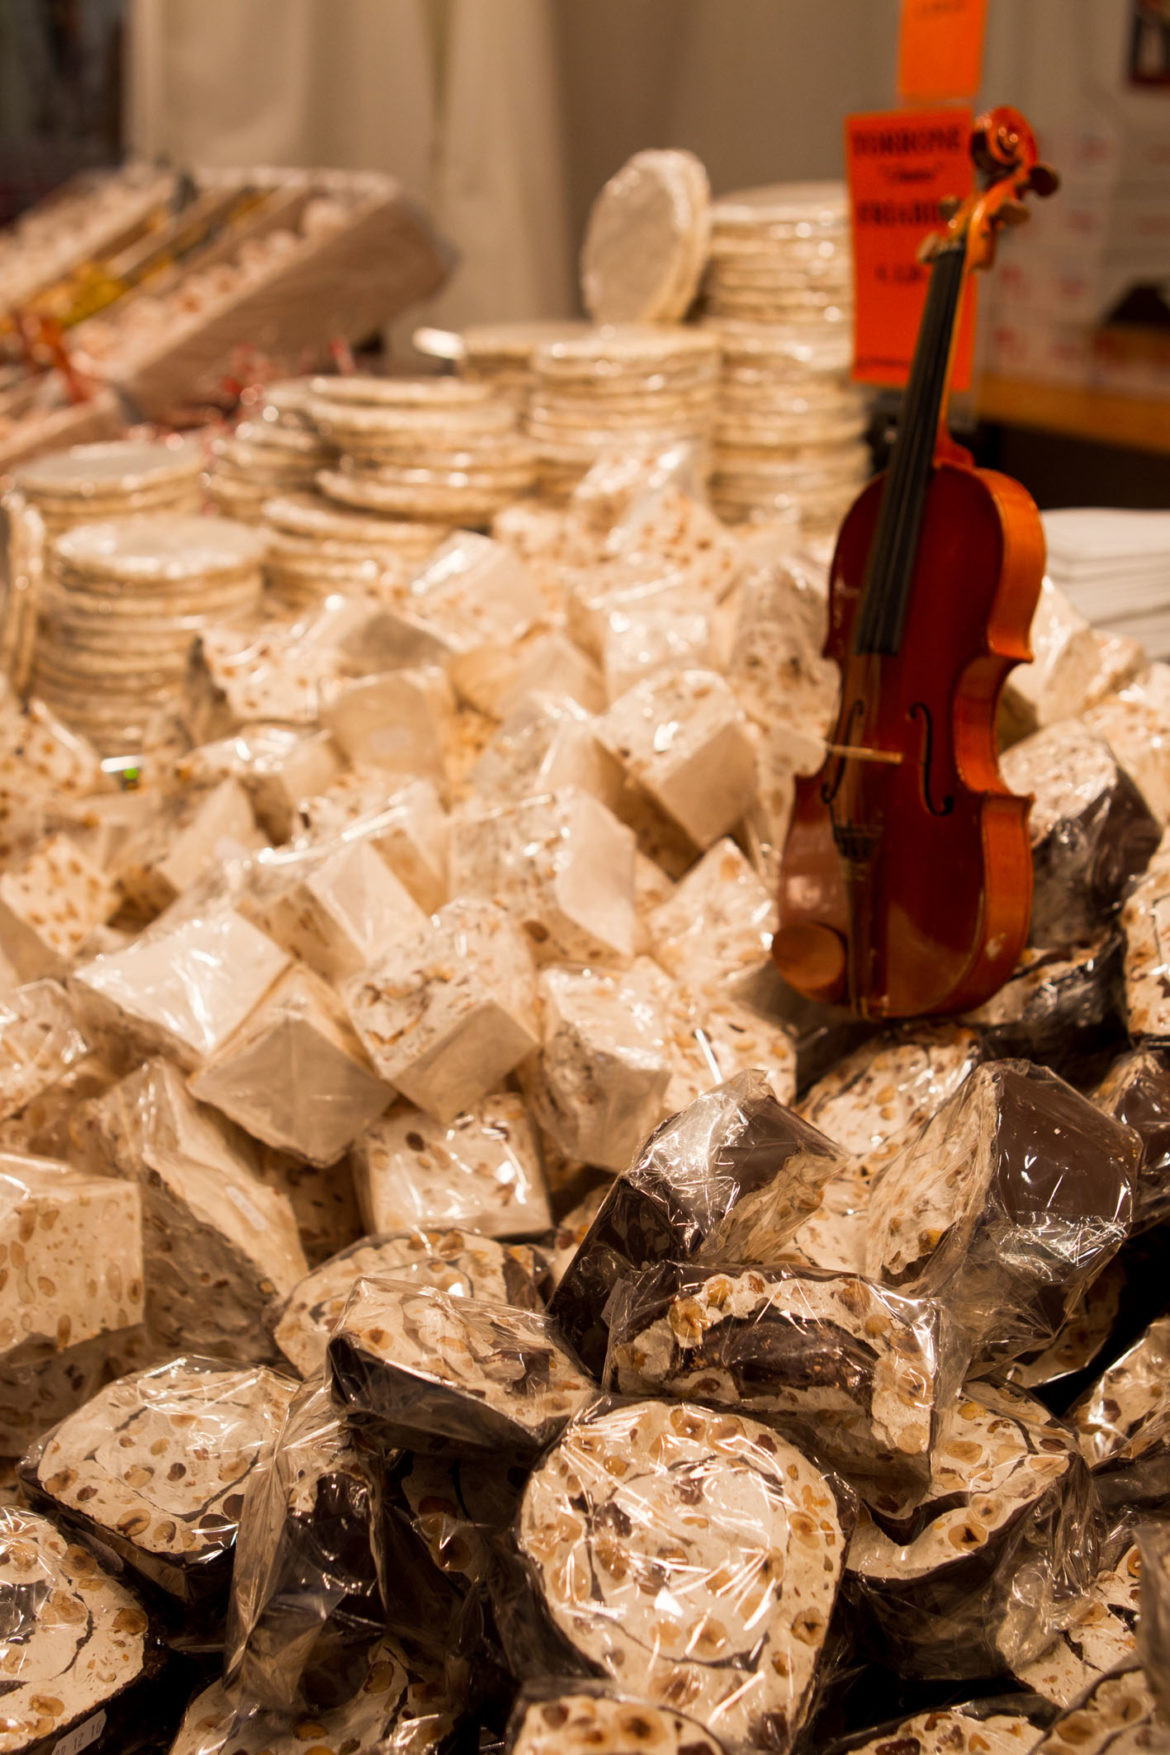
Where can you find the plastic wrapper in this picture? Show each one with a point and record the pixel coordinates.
(323, 1201)
(294, 1074)
(404, 1706)
(483, 1172)
(733, 1148)
(408, 829)
(890, 1085)
(182, 841)
(448, 1014)
(973, 1575)
(275, 764)
(181, 989)
(54, 1293)
(77, 1644)
(155, 1466)
(848, 1370)
(1154, 1625)
(1012, 1198)
(693, 1553)
(210, 1225)
(1011, 1725)
(430, 1371)
(306, 1607)
(716, 926)
(562, 865)
(1062, 678)
(1100, 1630)
(1080, 1337)
(1118, 1713)
(1065, 1009)
(1092, 831)
(587, 1718)
(38, 1388)
(1136, 1092)
(460, 1507)
(457, 1262)
(39, 1043)
(1146, 976)
(1122, 1422)
(562, 1243)
(1133, 724)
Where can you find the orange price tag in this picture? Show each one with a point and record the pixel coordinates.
(940, 48)
(902, 163)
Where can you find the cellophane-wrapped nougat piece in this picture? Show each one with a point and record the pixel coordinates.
(776, 667)
(694, 1550)
(77, 1643)
(452, 1260)
(1012, 1198)
(221, 1247)
(498, 680)
(337, 910)
(599, 1083)
(589, 1718)
(39, 1388)
(1154, 1623)
(681, 738)
(482, 1171)
(565, 1239)
(294, 1074)
(277, 765)
(891, 1086)
(180, 989)
(478, 590)
(461, 1507)
(426, 1370)
(1119, 1713)
(833, 1237)
(712, 1036)
(1136, 1092)
(405, 1705)
(450, 1012)
(42, 764)
(323, 1200)
(177, 846)
(1122, 1422)
(734, 1145)
(50, 904)
(1064, 674)
(974, 1573)
(39, 1043)
(1092, 832)
(563, 867)
(855, 1373)
(546, 742)
(1009, 1725)
(1100, 1630)
(1134, 723)
(1064, 1008)
(154, 1468)
(716, 927)
(59, 1286)
(1145, 920)
(402, 722)
(638, 641)
(408, 828)
(306, 1605)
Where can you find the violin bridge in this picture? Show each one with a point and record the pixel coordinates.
(849, 752)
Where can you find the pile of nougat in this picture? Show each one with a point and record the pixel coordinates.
(454, 1298)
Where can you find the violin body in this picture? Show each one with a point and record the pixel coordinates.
(907, 878)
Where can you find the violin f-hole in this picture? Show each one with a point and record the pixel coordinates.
(830, 788)
(944, 809)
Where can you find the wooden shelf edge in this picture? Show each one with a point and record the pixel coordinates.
(1102, 416)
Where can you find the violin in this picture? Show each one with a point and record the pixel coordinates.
(906, 883)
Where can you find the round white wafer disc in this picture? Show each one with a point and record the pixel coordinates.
(646, 243)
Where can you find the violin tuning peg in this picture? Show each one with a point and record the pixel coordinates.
(1013, 213)
(949, 205)
(1043, 180)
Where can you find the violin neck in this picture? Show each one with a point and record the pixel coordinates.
(891, 564)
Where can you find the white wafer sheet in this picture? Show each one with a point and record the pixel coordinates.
(646, 240)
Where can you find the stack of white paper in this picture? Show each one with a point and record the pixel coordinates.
(1114, 566)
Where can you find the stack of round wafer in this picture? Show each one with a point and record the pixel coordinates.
(646, 243)
(278, 452)
(779, 297)
(430, 450)
(500, 354)
(621, 387)
(112, 480)
(124, 602)
(316, 547)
